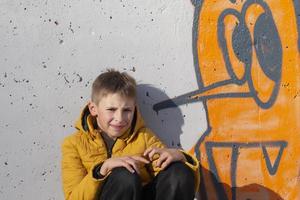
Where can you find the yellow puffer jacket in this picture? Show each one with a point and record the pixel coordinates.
(85, 149)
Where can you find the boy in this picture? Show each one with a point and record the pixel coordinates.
(113, 156)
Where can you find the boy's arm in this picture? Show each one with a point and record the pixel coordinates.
(78, 183)
(152, 141)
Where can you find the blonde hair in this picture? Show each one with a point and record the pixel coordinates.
(113, 81)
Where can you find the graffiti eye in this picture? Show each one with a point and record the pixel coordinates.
(268, 47)
(241, 43)
(235, 43)
(265, 73)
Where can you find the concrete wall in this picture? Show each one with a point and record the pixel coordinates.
(50, 52)
(219, 78)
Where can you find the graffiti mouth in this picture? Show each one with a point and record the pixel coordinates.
(200, 95)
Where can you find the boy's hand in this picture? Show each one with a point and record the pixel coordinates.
(165, 156)
(131, 163)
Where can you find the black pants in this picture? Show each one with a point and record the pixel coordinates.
(176, 182)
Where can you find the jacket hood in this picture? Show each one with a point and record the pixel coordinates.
(87, 124)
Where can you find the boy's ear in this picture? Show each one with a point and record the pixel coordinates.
(93, 108)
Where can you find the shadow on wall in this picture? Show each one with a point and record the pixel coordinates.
(166, 124)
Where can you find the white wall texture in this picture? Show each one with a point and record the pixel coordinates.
(50, 52)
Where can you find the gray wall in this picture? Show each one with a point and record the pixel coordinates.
(50, 52)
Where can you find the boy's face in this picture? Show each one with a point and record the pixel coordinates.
(114, 114)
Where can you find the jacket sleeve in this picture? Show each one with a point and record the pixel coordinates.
(78, 183)
(192, 162)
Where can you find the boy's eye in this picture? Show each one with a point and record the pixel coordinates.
(111, 109)
(127, 110)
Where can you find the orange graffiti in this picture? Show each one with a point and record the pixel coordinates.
(246, 55)
(249, 66)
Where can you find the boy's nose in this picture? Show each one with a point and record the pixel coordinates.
(118, 116)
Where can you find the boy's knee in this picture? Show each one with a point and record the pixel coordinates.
(121, 184)
(122, 176)
(179, 172)
(178, 180)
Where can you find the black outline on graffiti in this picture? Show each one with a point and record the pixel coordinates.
(236, 146)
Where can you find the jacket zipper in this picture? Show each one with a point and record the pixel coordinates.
(109, 150)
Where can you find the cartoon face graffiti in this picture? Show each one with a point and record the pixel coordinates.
(247, 65)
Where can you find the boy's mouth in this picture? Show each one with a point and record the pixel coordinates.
(117, 127)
